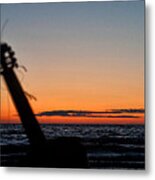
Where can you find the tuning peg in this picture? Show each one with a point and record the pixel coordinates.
(5, 47)
(9, 48)
(12, 53)
(14, 60)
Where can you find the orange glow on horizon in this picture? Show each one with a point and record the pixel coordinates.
(9, 114)
(82, 120)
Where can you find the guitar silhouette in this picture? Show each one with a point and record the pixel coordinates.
(65, 152)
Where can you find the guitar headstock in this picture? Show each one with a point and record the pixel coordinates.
(7, 61)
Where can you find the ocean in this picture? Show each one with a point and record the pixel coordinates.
(107, 146)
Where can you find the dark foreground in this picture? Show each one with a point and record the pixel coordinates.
(106, 146)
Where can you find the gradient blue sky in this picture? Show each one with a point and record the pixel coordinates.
(90, 55)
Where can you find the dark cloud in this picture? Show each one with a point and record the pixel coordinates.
(128, 110)
(93, 114)
(123, 116)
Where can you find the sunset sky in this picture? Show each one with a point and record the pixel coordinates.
(85, 61)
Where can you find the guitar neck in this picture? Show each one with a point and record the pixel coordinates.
(31, 126)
